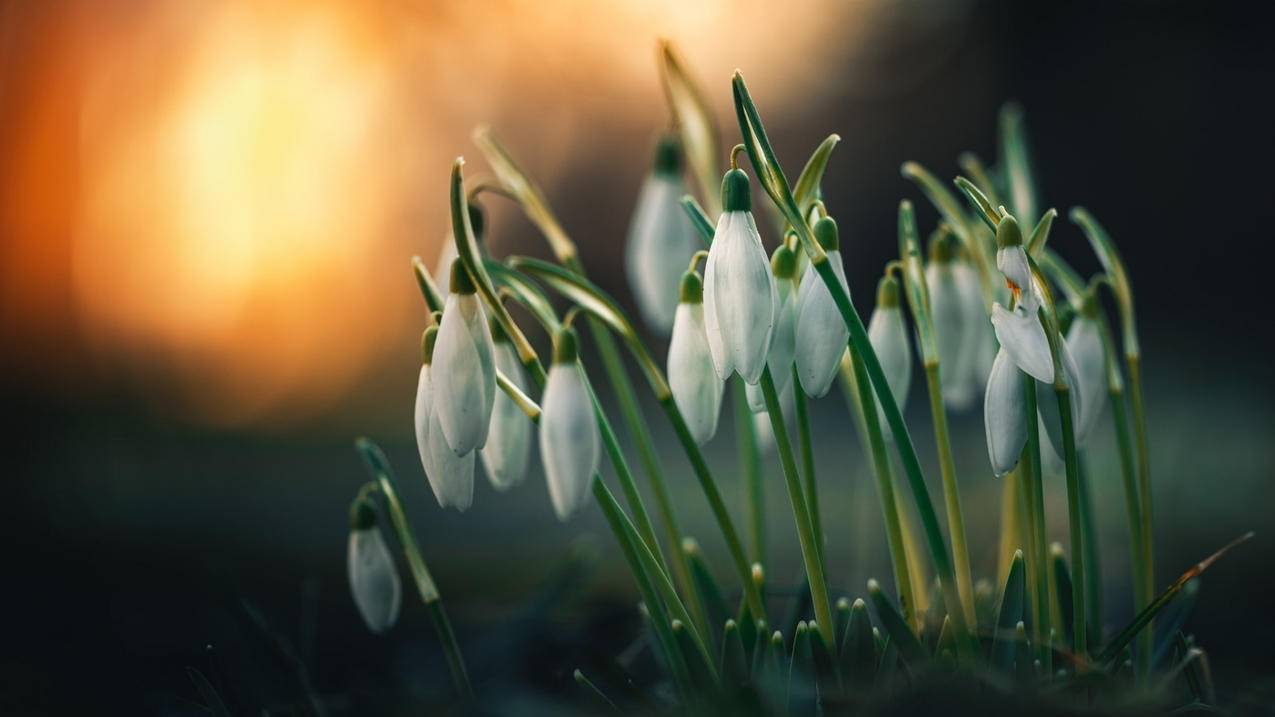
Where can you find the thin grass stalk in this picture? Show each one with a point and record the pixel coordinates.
(864, 409)
(750, 467)
(1092, 566)
(808, 465)
(1034, 485)
(1075, 521)
(810, 552)
(951, 491)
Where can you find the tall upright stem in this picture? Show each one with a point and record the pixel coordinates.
(1133, 511)
(1134, 363)
(808, 463)
(1034, 485)
(801, 516)
(1075, 523)
(951, 491)
(750, 467)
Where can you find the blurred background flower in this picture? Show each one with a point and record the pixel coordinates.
(206, 214)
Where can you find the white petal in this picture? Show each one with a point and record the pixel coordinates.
(1012, 262)
(697, 390)
(570, 445)
(821, 333)
(739, 303)
(782, 346)
(952, 335)
(443, 266)
(374, 581)
(888, 334)
(1003, 414)
(756, 397)
(452, 479)
(424, 404)
(508, 448)
(1023, 337)
(765, 432)
(660, 244)
(1047, 403)
(980, 346)
(464, 374)
(1084, 341)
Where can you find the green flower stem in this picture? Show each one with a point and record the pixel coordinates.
(864, 409)
(1038, 566)
(1075, 521)
(381, 472)
(750, 467)
(1092, 566)
(1133, 363)
(808, 465)
(951, 491)
(801, 515)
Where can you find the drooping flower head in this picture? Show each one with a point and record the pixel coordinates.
(783, 267)
(465, 369)
(374, 580)
(697, 389)
(954, 335)
(888, 334)
(570, 444)
(451, 477)
(508, 448)
(821, 334)
(661, 238)
(739, 293)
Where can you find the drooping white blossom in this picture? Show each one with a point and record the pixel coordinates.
(821, 332)
(1004, 414)
(697, 389)
(1084, 342)
(451, 477)
(508, 448)
(981, 346)
(570, 445)
(888, 334)
(954, 334)
(374, 581)
(739, 293)
(661, 239)
(464, 368)
(783, 267)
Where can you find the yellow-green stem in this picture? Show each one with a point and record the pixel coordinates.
(750, 467)
(808, 464)
(951, 492)
(1075, 523)
(1034, 486)
(1134, 363)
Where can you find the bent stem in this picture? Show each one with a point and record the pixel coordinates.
(379, 467)
(810, 552)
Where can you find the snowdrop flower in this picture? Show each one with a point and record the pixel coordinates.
(783, 266)
(1082, 409)
(569, 441)
(1019, 331)
(953, 334)
(661, 239)
(374, 580)
(982, 341)
(821, 334)
(697, 389)
(1004, 414)
(888, 334)
(1084, 344)
(450, 476)
(509, 437)
(739, 293)
(464, 369)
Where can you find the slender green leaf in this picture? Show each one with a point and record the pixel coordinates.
(806, 190)
(983, 207)
(858, 652)
(1016, 159)
(212, 700)
(1040, 235)
(701, 221)
(718, 612)
(1009, 615)
(901, 635)
(520, 185)
(593, 689)
(695, 122)
(734, 667)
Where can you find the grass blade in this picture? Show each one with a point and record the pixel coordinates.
(896, 627)
(1010, 615)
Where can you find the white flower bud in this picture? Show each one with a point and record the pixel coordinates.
(450, 477)
(1004, 414)
(570, 444)
(697, 389)
(888, 334)
(508, 448)
(374, 580)
(464, 370)
(661, 240)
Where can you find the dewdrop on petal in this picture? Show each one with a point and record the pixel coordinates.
(374, 580)
(783, 266)
(661, 239)
(570, 445)
(739, 293)
(451, 477)
(508, 446)
(821, 333)
(888, 334)
(953, 334)
(464, 369)
(697, 389)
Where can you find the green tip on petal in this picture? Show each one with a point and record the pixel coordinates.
(427, 344)
(362, 514)
(888, 293)
(565, 346)
(736, 196)
(826, 233)
(691, 290)
(783, 263)
(668, 156)
(461, 283)
(1007, 232)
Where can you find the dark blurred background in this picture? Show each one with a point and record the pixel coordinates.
(207, 211)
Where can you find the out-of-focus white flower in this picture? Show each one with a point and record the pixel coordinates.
(888, 334)
(570, 445)
(1004, 414)
(451, 477)
(509, 439)
(821, 333)
(661, 239)
(954, 334)
(464, 369)
(739, 293)
(374, 580)
(783, 267)
(1084, 342)
(697, 389)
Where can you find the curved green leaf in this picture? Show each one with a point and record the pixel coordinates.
(528, 194)
(806, 190)
(1009, 615)
(896, 627)
(695, 122)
